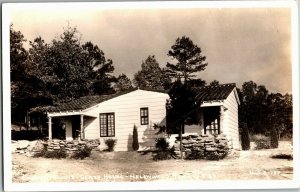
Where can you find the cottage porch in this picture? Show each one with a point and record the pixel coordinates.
(73, 125)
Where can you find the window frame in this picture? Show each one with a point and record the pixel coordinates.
(143, 117)
(106, 119)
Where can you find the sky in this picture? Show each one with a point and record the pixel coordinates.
(241, 44)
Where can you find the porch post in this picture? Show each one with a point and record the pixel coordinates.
(81, 127)
(50, 128)
(221, 119)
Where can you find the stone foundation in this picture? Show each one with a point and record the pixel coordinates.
(202, 146)
(32, 147)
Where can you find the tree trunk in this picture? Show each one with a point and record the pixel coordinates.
(180, 137)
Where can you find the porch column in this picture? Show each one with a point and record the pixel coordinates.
(50, 128)
(81, 127)
(221, 119)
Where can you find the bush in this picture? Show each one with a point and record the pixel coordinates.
(55, 154)
(162, 144)
(215, 155)
(110, 143)
(282, 156)
(261, 142)
(163, 150)
(82, 153)
(245, 138)
(135, 140)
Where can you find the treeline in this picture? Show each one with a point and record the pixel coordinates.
(66, 69)
(262, 112)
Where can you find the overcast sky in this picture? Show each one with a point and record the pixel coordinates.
(240, 44)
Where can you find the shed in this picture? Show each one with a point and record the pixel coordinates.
(218, 112)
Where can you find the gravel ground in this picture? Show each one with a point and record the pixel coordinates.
(134, 166)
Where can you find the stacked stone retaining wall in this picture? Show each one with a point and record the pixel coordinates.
(202, 146)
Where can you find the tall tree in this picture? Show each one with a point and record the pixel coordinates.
(181, 109)
(100, 68)
(72, 69)
(27, 90)
(151, 76)
(123, 83)
(18, 55)
(189, 59)
(265, 113)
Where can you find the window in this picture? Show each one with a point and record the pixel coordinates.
(213, 127)
(211, 120)
(144, 116)
(107, 124)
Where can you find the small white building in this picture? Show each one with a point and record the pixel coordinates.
(114, 116)
(218, 112)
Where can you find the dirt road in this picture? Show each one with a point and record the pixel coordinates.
(133, 166)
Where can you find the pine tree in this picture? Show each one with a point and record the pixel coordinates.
(135, 142)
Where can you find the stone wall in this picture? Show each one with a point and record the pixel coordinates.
(31, 147)
(202, 146)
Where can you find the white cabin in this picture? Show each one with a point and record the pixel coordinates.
(114, 116)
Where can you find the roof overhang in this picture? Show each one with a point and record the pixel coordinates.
(68, 113)
(212, 103)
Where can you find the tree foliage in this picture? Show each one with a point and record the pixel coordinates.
(189, 59)
(27, 90)
(123, 83)
(151, 76)
(61, 70)
(265, 113)
(181, 107)
(214, 83)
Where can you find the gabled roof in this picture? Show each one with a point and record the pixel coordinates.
(84, 102)
(217, 92)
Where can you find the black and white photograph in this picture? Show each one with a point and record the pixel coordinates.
(155, 95)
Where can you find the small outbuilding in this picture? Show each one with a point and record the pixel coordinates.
(218, 112)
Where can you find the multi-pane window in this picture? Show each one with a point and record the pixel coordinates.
(107, 124)
(144, 116)
(212, 120)
(213, 127)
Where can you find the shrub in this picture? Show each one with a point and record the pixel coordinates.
(135, 140)
(82, 153)
(162, 144)
(216, 155)
(110, 143)
(245, 138)
(261, 142)
(55, 154)
(282, 156)
(163, 150)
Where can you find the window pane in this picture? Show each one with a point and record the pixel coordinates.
(107, 124)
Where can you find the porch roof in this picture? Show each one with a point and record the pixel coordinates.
(212, 93)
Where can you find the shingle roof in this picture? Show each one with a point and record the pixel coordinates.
(83, 102)
(217, 92)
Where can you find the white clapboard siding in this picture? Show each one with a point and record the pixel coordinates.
(127, 114)
(230, 124)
